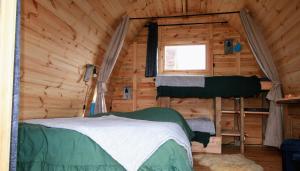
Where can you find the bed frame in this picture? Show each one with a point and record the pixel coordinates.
(215, 143)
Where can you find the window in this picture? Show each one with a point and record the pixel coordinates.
(184, 59)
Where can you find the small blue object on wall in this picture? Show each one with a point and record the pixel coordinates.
(237, 47)
(92, 109)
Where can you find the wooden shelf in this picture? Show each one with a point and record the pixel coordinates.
(246, 112)
(289, 100)
(231, 133)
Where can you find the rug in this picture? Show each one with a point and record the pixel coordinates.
(227, 162)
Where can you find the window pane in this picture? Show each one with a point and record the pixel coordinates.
(185, 57)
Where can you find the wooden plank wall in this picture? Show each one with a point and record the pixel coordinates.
(56, 44)
(280, 23)
(132, 68)
(294, 121)
(291, 119)
(58, 39)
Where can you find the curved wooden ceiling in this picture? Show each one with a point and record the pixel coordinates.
(279, 21)
(60, 37)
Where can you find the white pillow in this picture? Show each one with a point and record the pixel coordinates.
(202, 125)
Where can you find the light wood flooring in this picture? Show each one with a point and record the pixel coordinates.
(269, 158)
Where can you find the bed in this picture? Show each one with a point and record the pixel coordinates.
(216, 86)
(213, 87)
(46, 148)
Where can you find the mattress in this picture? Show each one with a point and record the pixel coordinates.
(202, 125)
(43, 148)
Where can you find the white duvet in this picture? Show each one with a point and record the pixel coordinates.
(130, 142)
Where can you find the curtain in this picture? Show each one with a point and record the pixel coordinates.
(262, 54)
(151, 59)
(110, 57)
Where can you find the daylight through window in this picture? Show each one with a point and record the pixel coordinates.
(185, 57)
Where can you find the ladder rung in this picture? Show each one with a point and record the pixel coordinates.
(246, 112)
(230, 111)
(231, 133)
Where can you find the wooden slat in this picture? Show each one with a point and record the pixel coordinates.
(286, 100)
(218, 115)
(184, 6)
(246, 112)
(231, 133)
(134, 79)
(242, 126)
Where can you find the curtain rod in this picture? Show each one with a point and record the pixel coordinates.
(180, 24)
(188, 15)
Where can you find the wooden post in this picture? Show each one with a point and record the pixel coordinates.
(164, 102)
(134, 79)
(242, 129)
(238, 60)
(218, 115)
(7, 49)
(235, 118)
(210, 44)
(184, 6)
(287, 133)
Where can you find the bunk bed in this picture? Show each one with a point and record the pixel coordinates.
(44, 147)
(217, 87)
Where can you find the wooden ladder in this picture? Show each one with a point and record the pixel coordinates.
(239, 131)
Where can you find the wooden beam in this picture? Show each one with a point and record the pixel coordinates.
(184, 6)
(7, 48)
(287, 100)
(187, 24)
(134, 79)
(210, 46)
(218, 115)
(238, 60)
(242, 129)
(188, 15)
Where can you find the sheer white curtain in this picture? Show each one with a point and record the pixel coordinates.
(273, 136)
(110, 57)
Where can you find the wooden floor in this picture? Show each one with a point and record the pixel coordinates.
(269, 158)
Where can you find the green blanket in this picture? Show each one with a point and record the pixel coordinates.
(201, 137)
(217, 86)
(55, 149)
(156, 114)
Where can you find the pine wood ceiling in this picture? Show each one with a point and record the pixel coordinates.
(279, 21)
(139, 8)
(60, 36)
